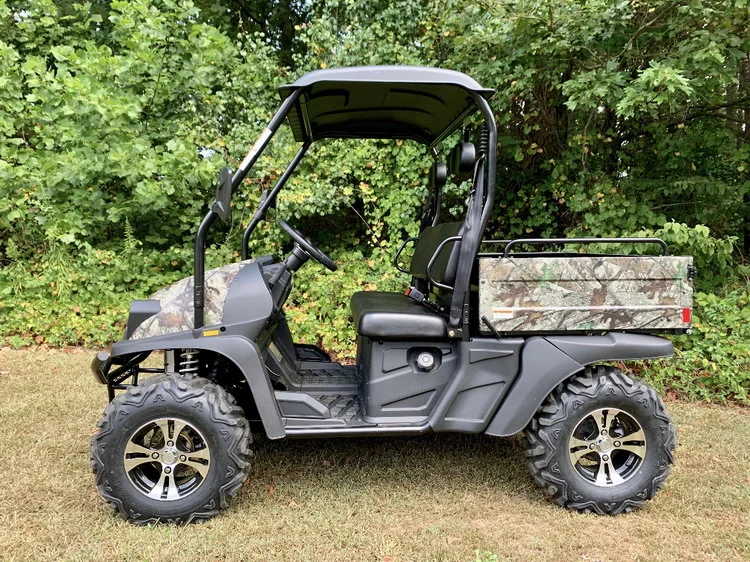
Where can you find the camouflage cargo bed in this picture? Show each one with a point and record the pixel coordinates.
(585, 293)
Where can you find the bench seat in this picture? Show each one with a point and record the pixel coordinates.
(379, 314)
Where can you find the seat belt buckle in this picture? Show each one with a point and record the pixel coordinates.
(415, 294)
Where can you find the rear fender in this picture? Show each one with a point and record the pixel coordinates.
(241, 351)
(548, 361)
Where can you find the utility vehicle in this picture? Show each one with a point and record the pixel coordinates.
(489, 336)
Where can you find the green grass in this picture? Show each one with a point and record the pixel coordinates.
(429, 498)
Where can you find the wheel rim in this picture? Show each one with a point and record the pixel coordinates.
(167, 459)
(607, 447)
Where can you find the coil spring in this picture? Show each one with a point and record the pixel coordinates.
(189, 361)
(484, 139)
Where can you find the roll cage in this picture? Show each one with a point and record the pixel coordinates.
(381, 102)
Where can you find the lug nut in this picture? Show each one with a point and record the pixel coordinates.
(183, 458)
(170, 443)
(592, 446)
(604, 432)
(617, 443)
(167, 470)
(154, 455)
(605, 457)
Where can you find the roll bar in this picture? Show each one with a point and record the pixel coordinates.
(264, 206)
(472, 239)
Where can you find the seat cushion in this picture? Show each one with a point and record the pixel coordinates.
(393, 315)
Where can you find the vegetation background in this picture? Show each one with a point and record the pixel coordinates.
(616, 117)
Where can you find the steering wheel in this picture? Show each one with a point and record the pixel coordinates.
(307, 246)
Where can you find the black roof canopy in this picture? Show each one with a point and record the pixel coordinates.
(393, 102)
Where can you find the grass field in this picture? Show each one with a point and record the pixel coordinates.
(449, 497)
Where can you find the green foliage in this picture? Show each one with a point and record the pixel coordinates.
(613, 118)
(485, 556)
(318, 311)
(712, 256)
(713, 363)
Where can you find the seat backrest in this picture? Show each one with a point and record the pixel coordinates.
(444, 269)
(462, 160)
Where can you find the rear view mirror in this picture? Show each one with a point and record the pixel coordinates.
(220, 206)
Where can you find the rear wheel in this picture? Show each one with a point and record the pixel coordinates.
(172, 449)
(602, 442)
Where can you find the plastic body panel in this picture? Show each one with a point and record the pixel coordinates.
(300, 405)
(613, 346)
(177, 306)
(585, 294)
(235, 294)
(546, 362)
(140, 311)
(408, 102)
(460, 393)
(393, 388)
(239, 350)
(487, 368)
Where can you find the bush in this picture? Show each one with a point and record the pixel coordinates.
(116, 116)
(713, 363)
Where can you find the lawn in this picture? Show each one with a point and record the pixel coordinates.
(443, 497)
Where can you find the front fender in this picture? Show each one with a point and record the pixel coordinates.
(241, 351)
(548, 361)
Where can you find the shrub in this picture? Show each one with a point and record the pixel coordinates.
(713, 363)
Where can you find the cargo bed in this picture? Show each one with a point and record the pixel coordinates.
(549, 292)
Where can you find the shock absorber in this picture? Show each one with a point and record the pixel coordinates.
(189, 361)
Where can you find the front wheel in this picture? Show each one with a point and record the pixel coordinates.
(172, 449)
(602, 442)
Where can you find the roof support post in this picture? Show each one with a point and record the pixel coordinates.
(491, 156)
(271, 198)
(475, 223)
(265, 137)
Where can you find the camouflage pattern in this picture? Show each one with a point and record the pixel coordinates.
(176, 302)
(552, 294)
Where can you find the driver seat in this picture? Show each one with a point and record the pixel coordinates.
(395, 315)
(379, 314)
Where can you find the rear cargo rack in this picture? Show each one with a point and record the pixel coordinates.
(563, 241)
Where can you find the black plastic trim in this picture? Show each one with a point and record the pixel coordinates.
(359, 431)
(401, 249)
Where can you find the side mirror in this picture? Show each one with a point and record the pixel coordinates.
(220, 206)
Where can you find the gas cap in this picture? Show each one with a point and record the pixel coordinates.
(426, 361)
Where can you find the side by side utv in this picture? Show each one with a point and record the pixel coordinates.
(489, 336)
